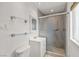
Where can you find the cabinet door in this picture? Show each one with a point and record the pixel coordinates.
(35, 49)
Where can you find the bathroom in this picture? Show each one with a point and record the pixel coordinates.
(33, 29)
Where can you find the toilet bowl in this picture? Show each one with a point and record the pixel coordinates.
(22, 51)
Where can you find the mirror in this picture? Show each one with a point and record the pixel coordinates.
(33, 24)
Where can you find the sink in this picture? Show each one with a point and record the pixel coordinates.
(37, 38)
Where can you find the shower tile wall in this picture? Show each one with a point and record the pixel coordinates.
(52, 28)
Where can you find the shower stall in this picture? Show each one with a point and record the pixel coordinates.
(53, 28)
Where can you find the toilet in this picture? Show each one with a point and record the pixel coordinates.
(22, 51)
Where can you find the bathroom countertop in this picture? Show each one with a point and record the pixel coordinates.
(38, 39)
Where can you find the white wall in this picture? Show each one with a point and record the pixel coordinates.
(23, 10)
(40, 13)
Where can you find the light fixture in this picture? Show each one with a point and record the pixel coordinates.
(51, 10)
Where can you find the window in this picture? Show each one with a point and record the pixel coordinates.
(74, 24)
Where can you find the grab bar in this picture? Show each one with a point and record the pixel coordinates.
(14, 17)
(13, 35)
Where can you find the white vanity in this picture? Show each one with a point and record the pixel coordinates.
(37, 46)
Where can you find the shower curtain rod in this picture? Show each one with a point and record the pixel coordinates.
(53, 15)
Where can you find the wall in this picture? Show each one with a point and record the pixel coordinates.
(47, 28)
(40, 13)
(22, 10)
(72, 50)
(68, 30)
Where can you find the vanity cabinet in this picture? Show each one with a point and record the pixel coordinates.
(37, 47)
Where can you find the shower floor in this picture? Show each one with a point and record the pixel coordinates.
(55, 52)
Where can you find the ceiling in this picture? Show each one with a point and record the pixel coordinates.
(50, 7)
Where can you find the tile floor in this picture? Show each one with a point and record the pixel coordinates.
(55, 52)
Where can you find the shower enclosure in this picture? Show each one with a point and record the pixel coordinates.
(53, 28)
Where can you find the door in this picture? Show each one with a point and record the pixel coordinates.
(55, 33)
(51, 33)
